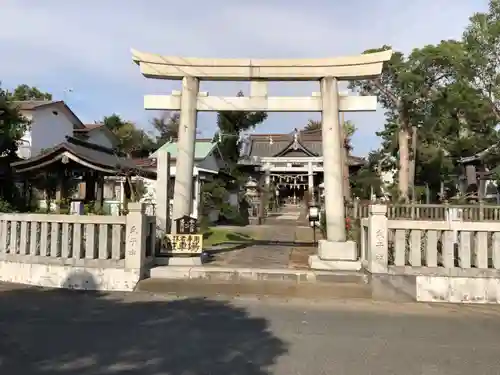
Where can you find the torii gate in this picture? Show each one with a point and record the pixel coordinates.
(334, 252)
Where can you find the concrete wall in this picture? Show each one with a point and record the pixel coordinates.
(49, 129)
(70, 277)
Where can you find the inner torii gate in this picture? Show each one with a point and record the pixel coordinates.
(334, 252)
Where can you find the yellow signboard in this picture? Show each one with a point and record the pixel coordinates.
(184, 243)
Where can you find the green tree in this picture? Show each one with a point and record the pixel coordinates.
(12, 127)
(348, 127)
(421, 91)
(453, 118)
(25, 92)
(481, 67)
(230, 126)
(133, 142)
(312, 125)
(167, 127)
(396, 94)
(366, 181)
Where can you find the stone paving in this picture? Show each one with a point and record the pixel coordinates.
(280, 243)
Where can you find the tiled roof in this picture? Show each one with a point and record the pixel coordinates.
(28, 105)
(31, 105)
(202, 148)
(269, 145)
(94, 155)
(89, 127)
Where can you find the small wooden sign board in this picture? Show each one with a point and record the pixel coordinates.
(186, 225)
(183, 244)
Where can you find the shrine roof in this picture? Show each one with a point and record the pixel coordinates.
(480, 155)
(303, 143)
(87, 154)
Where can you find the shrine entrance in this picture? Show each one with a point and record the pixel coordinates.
(335, 251)
(290, 188)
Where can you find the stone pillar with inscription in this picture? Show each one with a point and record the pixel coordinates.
(161, 191)
(377, 246)
(135, 240)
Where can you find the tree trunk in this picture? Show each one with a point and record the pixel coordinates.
(413, 163)
(404, 173)
(345, 161)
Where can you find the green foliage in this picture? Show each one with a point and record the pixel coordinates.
(25, 92)
(230, 125)
(167, 127)
(481, 67)
(12, 127)
(215, 194)
(449, 93)
(6, 206)
(349, 130)
(133, 142)
(365, 182)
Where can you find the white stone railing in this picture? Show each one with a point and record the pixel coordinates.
(448, 248)
(45, 249)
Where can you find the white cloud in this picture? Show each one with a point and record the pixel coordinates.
(87, 44)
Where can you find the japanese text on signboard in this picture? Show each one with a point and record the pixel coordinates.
(184, 243)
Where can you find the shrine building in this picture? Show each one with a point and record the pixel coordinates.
(291, 163)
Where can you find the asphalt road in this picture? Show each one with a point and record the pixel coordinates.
(70, 333)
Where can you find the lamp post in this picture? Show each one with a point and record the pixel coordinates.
(313, 217)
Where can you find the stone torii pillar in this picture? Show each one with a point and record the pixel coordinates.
(334, 251)
(183, 188)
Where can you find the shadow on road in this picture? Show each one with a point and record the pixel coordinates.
(83, 332)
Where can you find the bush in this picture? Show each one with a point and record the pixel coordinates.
(231, 215)
(351, 226)
(6, 206)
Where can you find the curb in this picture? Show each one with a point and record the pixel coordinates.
(237, 274)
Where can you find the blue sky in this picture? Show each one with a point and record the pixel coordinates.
(85, 46)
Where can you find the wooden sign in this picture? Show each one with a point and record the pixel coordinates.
(186, 225)
(184, 243)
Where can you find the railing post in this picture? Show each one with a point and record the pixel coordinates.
(378, 243)
(135, 240)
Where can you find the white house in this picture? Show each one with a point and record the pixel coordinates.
(51, 122)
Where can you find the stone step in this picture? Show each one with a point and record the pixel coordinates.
(255, 289)
(242, 274)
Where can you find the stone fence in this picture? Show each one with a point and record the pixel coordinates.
(77, 251)
(447, 261)
(418, 211)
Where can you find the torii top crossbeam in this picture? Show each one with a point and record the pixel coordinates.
(344, 68)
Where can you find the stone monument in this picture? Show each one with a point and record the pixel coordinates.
(334, 252)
